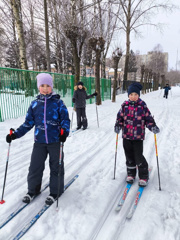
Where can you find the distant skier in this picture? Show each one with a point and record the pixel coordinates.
(166, 90)
(79, 99)
(132, 118)
(50, 117)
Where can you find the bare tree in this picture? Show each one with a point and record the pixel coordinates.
(16, 8)
(173, 76)
(142, 73)
(136, 14)
(47, 36)
(107, 18)
(117, 54)
(157, 61)
(2, 45)
(76, 32)
(97, 45)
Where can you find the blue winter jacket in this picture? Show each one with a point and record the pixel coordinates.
(48, 114)
(166, 89)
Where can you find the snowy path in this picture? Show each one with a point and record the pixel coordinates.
(87, 209)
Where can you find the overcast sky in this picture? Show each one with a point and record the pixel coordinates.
(169, 39)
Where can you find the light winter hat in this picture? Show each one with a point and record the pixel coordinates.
(134, 87)
(44, 78)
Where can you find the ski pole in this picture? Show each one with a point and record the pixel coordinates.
(115, 155)
(59, 172)
(72, 117)
(157, 161)
(2, 201)
(97, 112)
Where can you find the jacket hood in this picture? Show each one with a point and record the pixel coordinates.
(76, 88)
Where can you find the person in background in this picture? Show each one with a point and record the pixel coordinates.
(79, 100)
(50, 117)
(166, 90)
(132, 118)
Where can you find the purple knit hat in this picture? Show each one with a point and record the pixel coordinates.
(44, 78)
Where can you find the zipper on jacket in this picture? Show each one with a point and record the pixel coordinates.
(45, 104)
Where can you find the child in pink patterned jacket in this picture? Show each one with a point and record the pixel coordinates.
(132, 118)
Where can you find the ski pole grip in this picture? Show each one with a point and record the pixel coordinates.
(155, 144)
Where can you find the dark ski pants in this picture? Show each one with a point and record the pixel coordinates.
(37, 165)
(134, 157)
(81, 117)
(166, 95)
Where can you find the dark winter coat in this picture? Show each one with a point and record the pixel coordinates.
(166, 89)
(133, 117)
(48, 114)
(80, 96)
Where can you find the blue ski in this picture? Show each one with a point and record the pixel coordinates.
(123, 197)
(138, 197)
(40, 213)
(19, 209)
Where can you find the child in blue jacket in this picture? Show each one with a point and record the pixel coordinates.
(166, 90)
(50, 117)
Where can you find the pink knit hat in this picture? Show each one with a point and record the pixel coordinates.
(44, 78)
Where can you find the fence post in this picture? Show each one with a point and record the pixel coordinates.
(72, 87)
(90, 88)
(102, 88)
(0, 116)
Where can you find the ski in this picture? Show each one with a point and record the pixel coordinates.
(137, 198)
(123, 197)
(40, 213)
(19, 209)
(74, 131)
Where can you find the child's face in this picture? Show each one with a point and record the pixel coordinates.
(45, 89)
(133, 97)
(80, 86)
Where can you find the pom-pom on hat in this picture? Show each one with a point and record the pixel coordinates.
(134, 87)
(44, 78)
(80, 83)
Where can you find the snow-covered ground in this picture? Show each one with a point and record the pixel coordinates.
(87, 208)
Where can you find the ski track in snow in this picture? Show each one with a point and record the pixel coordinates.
(87, 208)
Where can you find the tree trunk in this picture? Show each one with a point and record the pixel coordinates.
(76, 60)
(47, 36)
(117, 54)
(97, 78)
(103, 66)
(19, 25)
(145, 80)
(128, 31)
(162, 81)
(114, 85)
(32, 31)
(16, 47)
(126, 60)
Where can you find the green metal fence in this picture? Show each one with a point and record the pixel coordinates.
(19, 87)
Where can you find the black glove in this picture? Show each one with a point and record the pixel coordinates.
(155, 129)
(95, 94)
(117, 129)
(73, 100)
(62, 135)
(10, 136)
